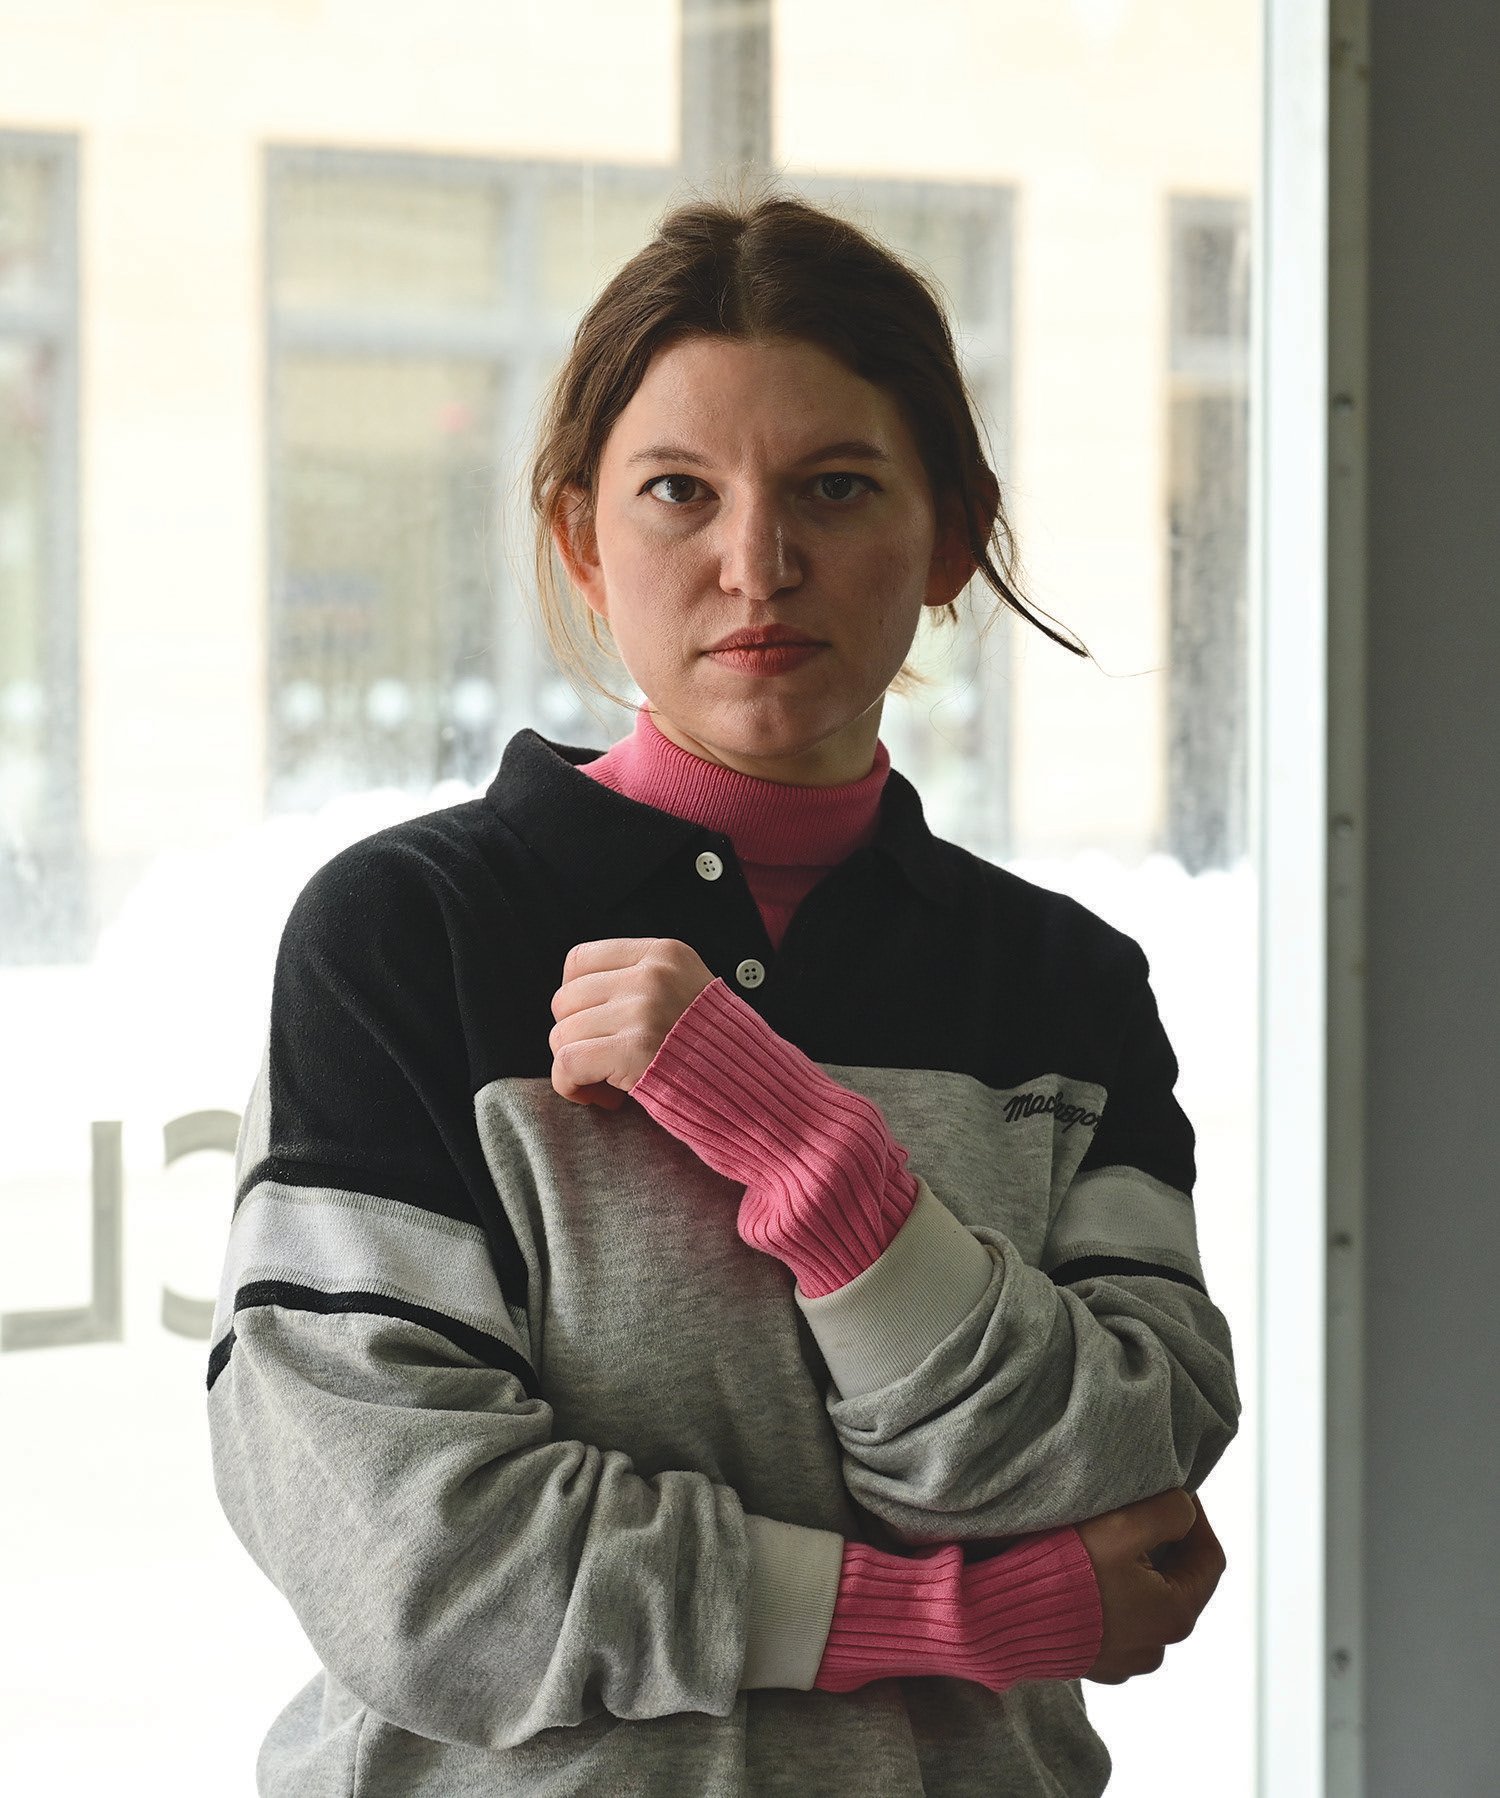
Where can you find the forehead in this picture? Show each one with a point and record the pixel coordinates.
(733, 396)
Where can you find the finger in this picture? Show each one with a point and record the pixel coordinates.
(1172, 1546)
(1189, 1584)
(600, 1041)
(1169, 1516)
(579, 1065)
(602, 1094)
(607, 952)
(583, 991)
(1201, 1565)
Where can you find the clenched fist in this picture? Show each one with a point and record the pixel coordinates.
(619, 998)
(1157, 1563)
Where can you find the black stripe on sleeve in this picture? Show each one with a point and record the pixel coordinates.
(479, 1343)
(218, 1359)
(1088, 1267)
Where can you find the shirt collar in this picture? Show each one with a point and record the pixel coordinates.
(603, 843)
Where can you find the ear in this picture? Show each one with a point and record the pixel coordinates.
(953, 564)
(577, 547)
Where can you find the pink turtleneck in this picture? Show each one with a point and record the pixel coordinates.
(826, 1191)
(786, 838)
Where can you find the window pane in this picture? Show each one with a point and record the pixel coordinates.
(43, 896)
(27, 405)
(1206, 768)
(365, 243)
(29, 263)
(1210, 271)
(384, 654)
(587, 230)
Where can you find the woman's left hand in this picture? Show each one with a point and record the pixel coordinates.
(619, 998)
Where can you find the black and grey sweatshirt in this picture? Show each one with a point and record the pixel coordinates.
(554, 1469)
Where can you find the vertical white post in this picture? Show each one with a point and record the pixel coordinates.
(1290, 541)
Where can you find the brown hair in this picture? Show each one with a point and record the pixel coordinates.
(767, 267)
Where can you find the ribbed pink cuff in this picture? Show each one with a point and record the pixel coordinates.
(826, 1186)
(1032, 1612)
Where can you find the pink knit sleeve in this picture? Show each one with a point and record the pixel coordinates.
(1032, 1612)
(826, 1186)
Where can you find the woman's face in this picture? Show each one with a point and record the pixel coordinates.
(749, 484)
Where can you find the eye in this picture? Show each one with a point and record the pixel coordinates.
(663, 480)
(850, 485)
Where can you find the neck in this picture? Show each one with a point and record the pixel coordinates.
(847, 756)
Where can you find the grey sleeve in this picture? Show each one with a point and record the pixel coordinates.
(975, 1395)
(465, 1574)
(972, 1397)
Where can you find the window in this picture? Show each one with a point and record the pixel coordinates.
(418, 305)
(1208, 484)
(43, 896)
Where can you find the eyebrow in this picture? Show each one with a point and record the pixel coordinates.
(857, 449)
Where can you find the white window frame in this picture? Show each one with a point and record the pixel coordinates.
(1308, 819)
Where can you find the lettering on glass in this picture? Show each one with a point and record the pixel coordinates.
(195, 1130)
(102, 1319)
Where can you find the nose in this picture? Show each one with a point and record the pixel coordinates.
(757, 557)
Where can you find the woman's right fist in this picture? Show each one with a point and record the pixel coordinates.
(1157, 1563)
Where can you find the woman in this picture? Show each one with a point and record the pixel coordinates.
(713, 1303)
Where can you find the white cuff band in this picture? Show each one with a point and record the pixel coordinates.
(890, 1318)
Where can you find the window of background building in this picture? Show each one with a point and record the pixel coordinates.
(42, 886)
(317, 304)
(1208, 424)
(418, 305)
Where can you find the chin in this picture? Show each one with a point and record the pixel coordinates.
(762, 726)
(774, 733)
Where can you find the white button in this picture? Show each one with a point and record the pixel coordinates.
(709, 865)
(749, 973)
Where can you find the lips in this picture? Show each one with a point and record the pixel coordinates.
(767, 639)
(768, 658)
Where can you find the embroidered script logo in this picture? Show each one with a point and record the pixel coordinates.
(1026, 1105)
